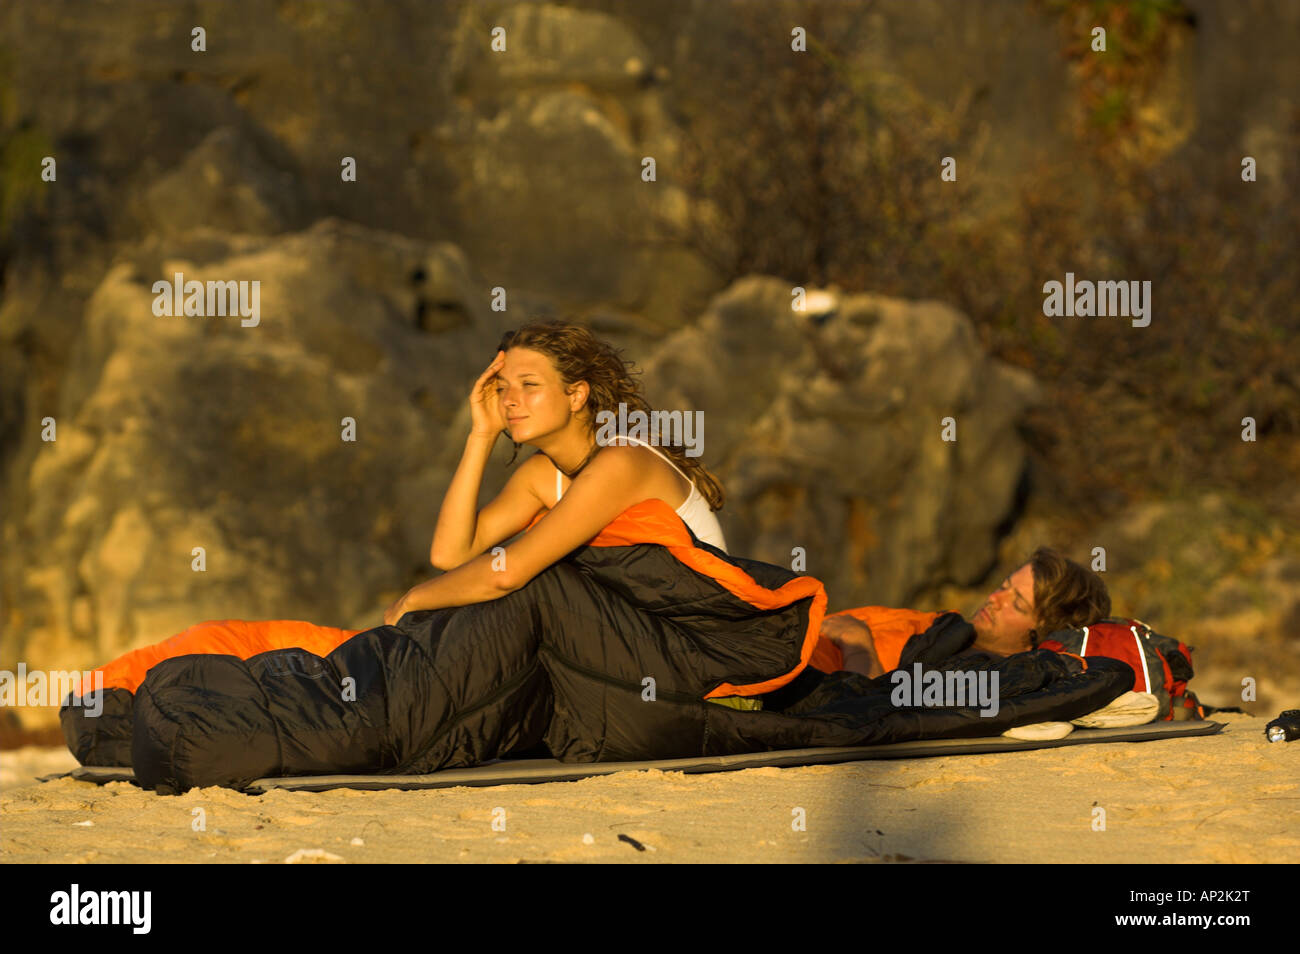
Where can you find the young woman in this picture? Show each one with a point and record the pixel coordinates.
(545, 387)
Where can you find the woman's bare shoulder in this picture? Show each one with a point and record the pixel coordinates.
(648, 464)
(633, 453)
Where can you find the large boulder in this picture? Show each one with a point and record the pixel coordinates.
(826, 429)
(177, 433)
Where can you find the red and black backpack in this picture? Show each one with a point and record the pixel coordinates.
(1162, 665)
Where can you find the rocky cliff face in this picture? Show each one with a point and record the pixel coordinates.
(128, 439)
(185, 432)
(828, 428)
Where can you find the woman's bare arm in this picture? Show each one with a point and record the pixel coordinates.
(462, 532)
(614, 480)
(458, 516)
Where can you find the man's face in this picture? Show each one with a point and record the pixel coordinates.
(1004, 621)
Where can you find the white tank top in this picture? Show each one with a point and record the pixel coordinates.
(694, 511)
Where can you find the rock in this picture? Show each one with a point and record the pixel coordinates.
(546, 44)
(226, 184)
(547, 141)
(826, 435)
(314, 856)
(178, 433)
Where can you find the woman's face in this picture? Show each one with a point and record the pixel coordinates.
(533, 402)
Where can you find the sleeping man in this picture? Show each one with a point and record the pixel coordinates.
(1045, 594)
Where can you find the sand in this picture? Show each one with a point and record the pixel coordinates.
(1229, 798)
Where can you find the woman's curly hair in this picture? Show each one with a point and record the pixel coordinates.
(578, 355)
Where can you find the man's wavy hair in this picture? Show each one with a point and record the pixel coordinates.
(578, 355)
(1066, 594)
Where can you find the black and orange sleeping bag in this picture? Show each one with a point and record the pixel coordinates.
(607, 655)
(639, 620)
(106, 739)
